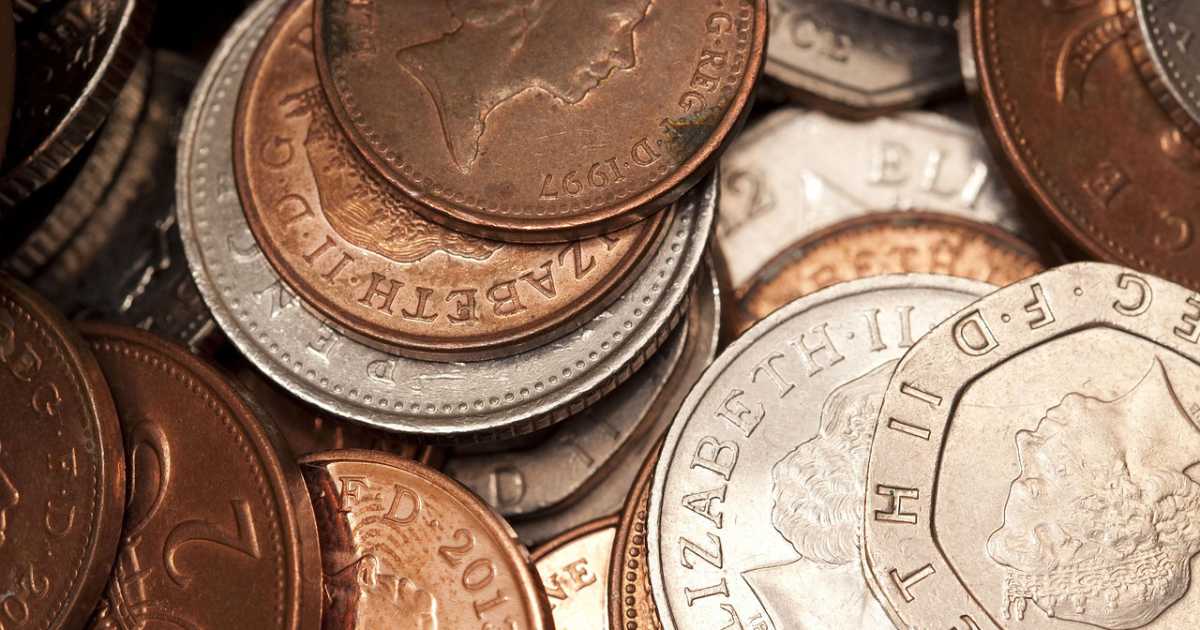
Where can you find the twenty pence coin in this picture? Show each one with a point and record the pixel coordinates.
(574, 570)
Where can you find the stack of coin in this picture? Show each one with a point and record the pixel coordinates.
(599, 314)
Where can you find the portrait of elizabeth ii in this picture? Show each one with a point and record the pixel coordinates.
(370, 598)
(818, 510)
(1102, 523)
(501, 48)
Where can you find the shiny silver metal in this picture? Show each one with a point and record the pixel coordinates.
(1170, 28)
(928, 13)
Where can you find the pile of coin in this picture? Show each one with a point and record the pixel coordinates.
(607, 314)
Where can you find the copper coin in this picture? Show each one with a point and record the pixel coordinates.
(354, 248)
(76, 55)
(404, 546)
(631, 600)
(540, 121)
(62, 468)
(1084, 134)
(894, 242)
(218, 532)
(574, 570)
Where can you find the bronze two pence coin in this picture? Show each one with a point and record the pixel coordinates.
(404, 546)
(1085, 135)
(355, 249)
(62, 468)
(218, 531)
(540, 121)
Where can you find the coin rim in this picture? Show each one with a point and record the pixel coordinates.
(1153, 61)
(642, 485)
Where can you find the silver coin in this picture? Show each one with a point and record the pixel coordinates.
(1170, 28)
(773, 194)
(756, 503)
(1053, 420)
(855, 61)
(465, 401)
(928, 13)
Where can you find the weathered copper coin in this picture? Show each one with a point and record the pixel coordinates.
(1034, 461)
(77, 54)
(218, 532)
(574, 571)
(631, 600)
(540, 121)
(62, 468)
(403, 546)
(874, 245)
(1168, 58)
(354, 248)
(1083, 133)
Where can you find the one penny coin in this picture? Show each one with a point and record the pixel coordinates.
(218, 532)
(540, 121)
(404, 546)
(631, 600)
(356, 250)
(574, 571)
(1084, 134)
(874, 245)
(62, 468)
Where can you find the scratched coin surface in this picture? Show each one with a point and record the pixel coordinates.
(77, 55)
(856, 63)
(758, 493)
(1168, 32)
(631, 601)
(574, 572)
(354, 248)
(773, 195)
(878, 244)
(62, 468)
(1052, 76)
(540, 121)
(1030, 468)
(349, 379)
(218, 529)
(404, 547)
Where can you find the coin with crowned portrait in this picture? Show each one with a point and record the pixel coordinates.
(759, 490)
(574, 571)
(540, 121)
(403, 546)
(1034, 462)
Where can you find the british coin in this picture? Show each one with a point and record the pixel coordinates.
(69, 94)
(218, 532)
(758, 493)
(25, 9)
(540, 122)
(1054, 420)
(631, 599)
(579, 472)
(355, 249)
(62, 468)
(348, 379)
(878, 244)
(574, 571)
(8, 70)
(929, 13)
(1169, 60)
(856, 63)
(403, 546)
(1050, 76)
(56, 211)
(773, 195)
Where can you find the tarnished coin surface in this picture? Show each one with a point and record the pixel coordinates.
(535, 121)
(62, 468)
(857, 63)
(1168, 31)
(354, 248)
(219, 532)
(1034, 462)
(1053, 74)
(574, 571)
(773, 195)
(631, 601)
(349, 379)
(69, 93)
(404, 547)
(758, 493)
(878, 244)
(929, 13)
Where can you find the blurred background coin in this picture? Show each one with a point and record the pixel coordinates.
(574, 571)
(540, 122)
(929, 13)
(1167, 31)
(8, 70)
